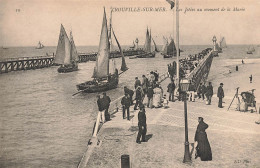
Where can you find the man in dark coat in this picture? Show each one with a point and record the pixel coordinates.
(174, 67)
(203, 91)
(199, 90)
(101, 108)
(156, 76)
(138, 97)
(220, 95)
(150, 93)
(203, 149)
(130, 94)
(171, 89)
(137, 82)
(144, 84)
(170, 70)
(106, 102)
(126, 104)
(209, 93)
(141, 125)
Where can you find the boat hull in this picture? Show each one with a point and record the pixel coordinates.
(39, 47)
(94, 87)
(67, 69)
(167, 56)
(146, 55)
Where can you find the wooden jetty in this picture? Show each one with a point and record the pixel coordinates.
(84, 57)
(25, 63)
(28, 63)
(201, 72)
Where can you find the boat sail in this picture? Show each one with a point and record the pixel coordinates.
(133, 47)
(40, 45)
(219, 49)
(123, 65)
(250, 50)
(222, 43)
(155, 46)
(66, 53)
(169, 49)
(165, 44)
(103, 79)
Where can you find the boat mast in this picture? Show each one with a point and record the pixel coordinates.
(109, 33)
(177, 42)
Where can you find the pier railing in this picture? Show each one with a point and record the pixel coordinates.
(201, 72)
(25, 63)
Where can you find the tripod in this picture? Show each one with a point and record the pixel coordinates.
(235, 96)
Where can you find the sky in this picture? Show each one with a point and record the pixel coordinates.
(25, 22)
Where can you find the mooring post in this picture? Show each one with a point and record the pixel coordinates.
(22, 65)
(6, 68)
(12, 66)
(125, 161)
(17, 66)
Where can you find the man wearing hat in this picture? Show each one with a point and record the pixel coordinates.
(137, 82)
(220, 95)
(141, 125)
(126, 102)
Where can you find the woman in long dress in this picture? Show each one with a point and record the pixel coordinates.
(157, 97)
(203, 149)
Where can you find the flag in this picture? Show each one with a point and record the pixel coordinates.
(171, 2)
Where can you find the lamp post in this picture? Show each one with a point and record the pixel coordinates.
(184, 85)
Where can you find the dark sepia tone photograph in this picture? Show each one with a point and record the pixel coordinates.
(129, 83)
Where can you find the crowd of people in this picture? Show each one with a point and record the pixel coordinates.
(148, 87)
(189, 63)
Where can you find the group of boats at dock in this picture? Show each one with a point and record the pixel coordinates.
(103, 77)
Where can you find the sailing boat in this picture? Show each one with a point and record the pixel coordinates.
(170, 49)
(219, 49)
(250, 50)
(40, 45)
(4, 47)
(133, 47)
(66, 53)
(147, 47)
(222, 43)
(155, 47)
(103, 79)
(165, 44)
